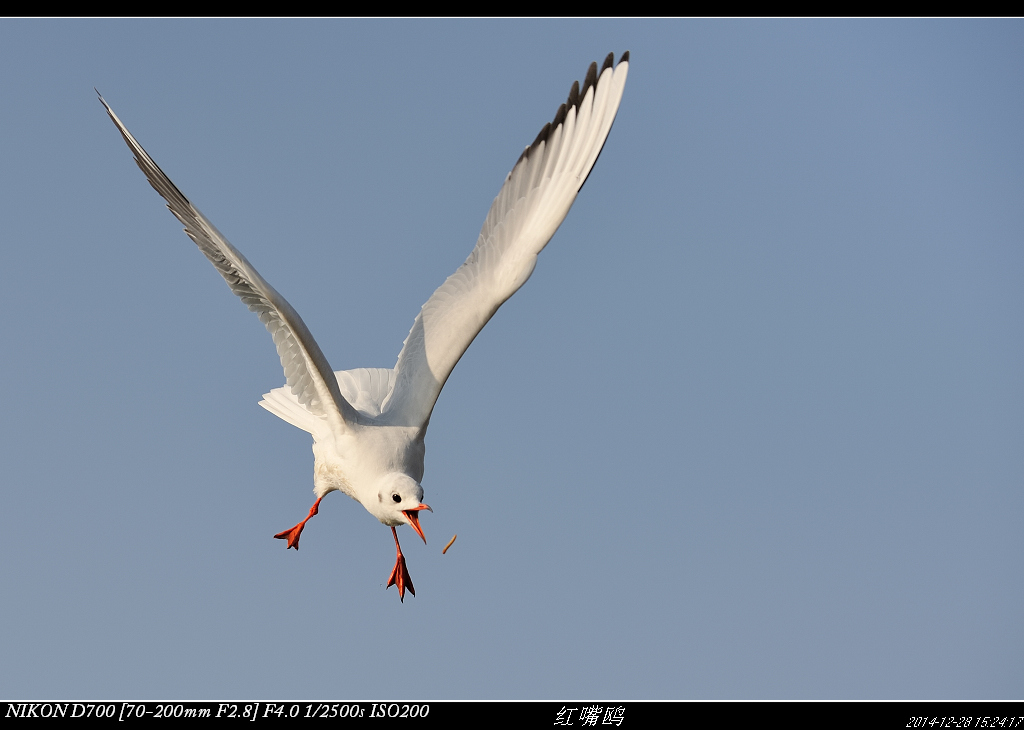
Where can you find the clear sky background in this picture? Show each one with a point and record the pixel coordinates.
(754, 429)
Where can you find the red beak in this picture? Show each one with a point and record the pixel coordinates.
(414, 519)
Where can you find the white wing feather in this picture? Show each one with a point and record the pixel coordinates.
(310, 380)
(530, 207)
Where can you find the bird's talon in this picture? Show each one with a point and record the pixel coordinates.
(292, 535)
(400, 577)
(400, 573)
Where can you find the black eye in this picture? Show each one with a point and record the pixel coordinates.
(396, 498)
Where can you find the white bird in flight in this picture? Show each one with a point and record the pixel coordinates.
(368, 424)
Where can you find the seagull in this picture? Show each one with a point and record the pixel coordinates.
(368, 424)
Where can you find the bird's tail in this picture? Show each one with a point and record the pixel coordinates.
(365, 388)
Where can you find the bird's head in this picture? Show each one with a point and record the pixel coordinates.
(399, 502)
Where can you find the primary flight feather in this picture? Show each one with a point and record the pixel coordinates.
(368, 424)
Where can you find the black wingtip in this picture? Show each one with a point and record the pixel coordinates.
(543, 135)
(576, 95)
(559, 116)
(590, 79)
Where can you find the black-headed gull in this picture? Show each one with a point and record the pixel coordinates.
(368, 424)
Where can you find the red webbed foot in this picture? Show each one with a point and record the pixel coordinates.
(400, 574)
(292, 535)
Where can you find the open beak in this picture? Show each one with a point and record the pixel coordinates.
(414, 519)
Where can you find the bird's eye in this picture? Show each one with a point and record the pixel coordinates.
(396, 498)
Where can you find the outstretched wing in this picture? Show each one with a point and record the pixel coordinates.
(532, 204)
(306, 370)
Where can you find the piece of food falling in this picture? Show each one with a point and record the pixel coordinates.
(449, 544)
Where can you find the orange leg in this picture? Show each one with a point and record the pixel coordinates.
(400, 575)
(292, 535)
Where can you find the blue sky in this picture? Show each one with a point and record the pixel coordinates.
(752, 430)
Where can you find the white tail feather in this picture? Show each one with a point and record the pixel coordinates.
(364, 388)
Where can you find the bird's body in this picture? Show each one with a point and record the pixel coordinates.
(368, 425)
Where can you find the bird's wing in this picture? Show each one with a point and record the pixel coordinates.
(532, 204)
(306, 370)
